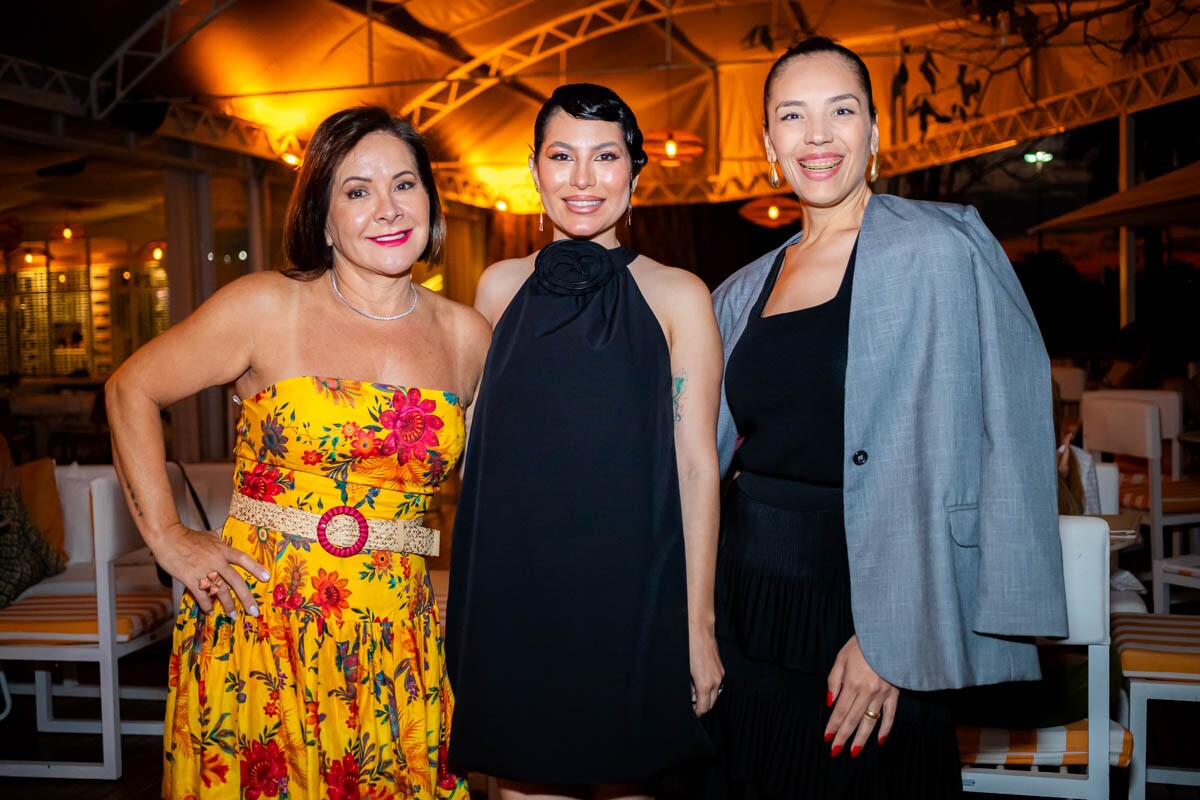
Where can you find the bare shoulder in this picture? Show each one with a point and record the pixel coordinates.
(259, 295)
(671, 288)
(463, 323)
(499, 283)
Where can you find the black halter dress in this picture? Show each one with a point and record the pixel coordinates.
(566, 623)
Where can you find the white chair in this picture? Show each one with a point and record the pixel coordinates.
(1044, 771)
(1114, 422)
(1170, 416)
(1108, 478)
(1160, 660)
(99, 613)
(121, 622)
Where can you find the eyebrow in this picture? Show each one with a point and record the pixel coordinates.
(566, 146)
(835, 99)
(350, 178)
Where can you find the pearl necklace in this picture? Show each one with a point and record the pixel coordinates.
(342, 297)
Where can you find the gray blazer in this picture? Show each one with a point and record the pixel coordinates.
(949, 476)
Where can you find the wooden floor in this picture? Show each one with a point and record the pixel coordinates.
(1174, 737)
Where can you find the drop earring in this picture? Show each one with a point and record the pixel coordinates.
(873, 174)
(773, 177)
(541, 224)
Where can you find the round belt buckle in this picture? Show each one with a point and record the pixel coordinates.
(342, 552)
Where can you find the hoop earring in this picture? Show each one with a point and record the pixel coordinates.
(773, 177)
(873, 173)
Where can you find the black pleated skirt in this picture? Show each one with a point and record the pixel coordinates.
(783, 614)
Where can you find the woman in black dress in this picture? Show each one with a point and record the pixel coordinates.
(579, 621)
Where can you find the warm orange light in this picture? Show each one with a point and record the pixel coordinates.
(28, 257)
(126, 275)
(501, 205)
(291, 159)
(67, 232)
(157, 253)
(771, 212)
(671, 148)
(62, 278)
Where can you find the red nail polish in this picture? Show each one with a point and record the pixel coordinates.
(829, 736)
(854, 751)
(882, 739)
(837, 748)
(828, 699)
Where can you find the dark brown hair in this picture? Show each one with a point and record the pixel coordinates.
(304, 228)
(813, 46)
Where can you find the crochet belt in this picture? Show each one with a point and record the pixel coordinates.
(343, 531)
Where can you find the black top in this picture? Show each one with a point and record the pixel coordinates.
(786, 387)
(566, 622)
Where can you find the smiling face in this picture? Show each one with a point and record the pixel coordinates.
(378, 209)
(819, 129)
(583, 173)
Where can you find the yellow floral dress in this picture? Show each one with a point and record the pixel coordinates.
(337, 689)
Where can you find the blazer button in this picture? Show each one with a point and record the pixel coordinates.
(859, 458)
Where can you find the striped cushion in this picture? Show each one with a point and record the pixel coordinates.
(73, 618)
(440, 578)
(1179, 497)
(1165, 646)
(1057, 746)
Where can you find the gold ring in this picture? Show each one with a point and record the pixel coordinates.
(872, 714)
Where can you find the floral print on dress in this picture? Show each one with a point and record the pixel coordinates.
(338, 688)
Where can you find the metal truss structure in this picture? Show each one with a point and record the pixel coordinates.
(1154, 85)
(146, 48)
(43, 87)
(207, 126)
(532, 45)
(70, 94)
(459, 185)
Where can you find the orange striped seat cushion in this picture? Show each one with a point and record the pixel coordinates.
(1056, 746)
(1163, 646)
(73, 617)
(1179, 497)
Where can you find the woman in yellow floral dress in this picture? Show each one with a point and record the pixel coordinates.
(308, 651)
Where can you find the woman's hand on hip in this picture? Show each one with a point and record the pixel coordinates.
(205, 566)
(860, 699)
(707, 672)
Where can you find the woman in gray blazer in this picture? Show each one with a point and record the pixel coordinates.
(891, 528)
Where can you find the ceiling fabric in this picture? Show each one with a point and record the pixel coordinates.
(474, 72)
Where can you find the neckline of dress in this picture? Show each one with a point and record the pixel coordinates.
(457, 403)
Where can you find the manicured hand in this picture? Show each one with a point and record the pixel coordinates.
(860, 699)
(206, 566)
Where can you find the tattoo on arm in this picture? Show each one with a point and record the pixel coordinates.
(133, 498)
(677, 385)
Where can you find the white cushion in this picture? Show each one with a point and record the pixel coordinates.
(81, 579)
